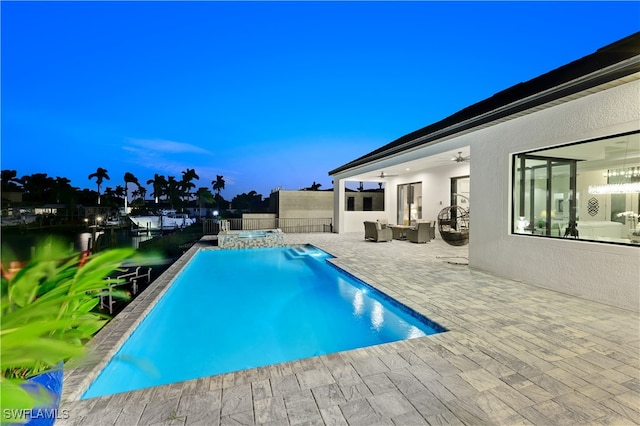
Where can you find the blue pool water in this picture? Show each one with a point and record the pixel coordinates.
(230, 310)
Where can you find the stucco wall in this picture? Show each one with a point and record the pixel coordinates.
(602, 272)
(353, 221)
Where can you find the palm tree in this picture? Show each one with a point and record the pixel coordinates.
(119, 191)
(136, 196)
(159, 186)
(173, 190)
(218, 184)
(143, 192)
(185, 184)
(100, 175)
(128, 178)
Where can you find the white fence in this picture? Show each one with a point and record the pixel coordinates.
(288, 225)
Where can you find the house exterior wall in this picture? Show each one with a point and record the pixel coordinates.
(305, 204)
(602, 272)
(606, 273)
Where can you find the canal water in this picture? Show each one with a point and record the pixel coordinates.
(20, 245)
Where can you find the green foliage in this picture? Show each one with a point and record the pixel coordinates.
(47, 313)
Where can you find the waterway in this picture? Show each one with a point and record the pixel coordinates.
(20, 244)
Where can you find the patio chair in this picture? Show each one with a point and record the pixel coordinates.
(420, 234)
(375, 231)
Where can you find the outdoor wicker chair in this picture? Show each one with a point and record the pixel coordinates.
(375, 231)
(420, 234)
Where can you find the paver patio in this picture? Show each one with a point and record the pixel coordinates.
(514, 354)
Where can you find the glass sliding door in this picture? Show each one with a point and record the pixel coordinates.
(409, 203)
(460, 187)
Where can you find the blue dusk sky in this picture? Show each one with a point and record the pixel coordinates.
(266, 94)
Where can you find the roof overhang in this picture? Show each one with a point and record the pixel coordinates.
(613, 65)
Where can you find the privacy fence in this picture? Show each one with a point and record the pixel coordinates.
(288, 225)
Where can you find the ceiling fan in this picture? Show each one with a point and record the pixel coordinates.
(383, 175)
(460, 159)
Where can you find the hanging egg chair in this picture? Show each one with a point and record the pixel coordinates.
(453, 224)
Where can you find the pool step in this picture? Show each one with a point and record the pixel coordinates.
(295, 253)
(299, 252)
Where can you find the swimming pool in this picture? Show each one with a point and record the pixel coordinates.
(230, 310)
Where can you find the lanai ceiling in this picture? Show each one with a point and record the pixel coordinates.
(441, 160)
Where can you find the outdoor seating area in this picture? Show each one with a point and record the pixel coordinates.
(419, 232)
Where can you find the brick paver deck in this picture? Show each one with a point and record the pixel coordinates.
(515, 354)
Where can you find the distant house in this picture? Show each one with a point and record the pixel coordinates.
(557, 155)
(51, 209)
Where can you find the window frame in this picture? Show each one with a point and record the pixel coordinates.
(518, 194)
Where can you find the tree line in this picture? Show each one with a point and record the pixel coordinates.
(176, 192)
(167, 190)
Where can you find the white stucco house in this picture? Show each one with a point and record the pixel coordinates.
(557, 154)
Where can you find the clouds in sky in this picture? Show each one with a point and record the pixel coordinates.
(164, 146)
(171, 158)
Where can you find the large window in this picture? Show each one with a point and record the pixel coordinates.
(587, 191)
(364, 196)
